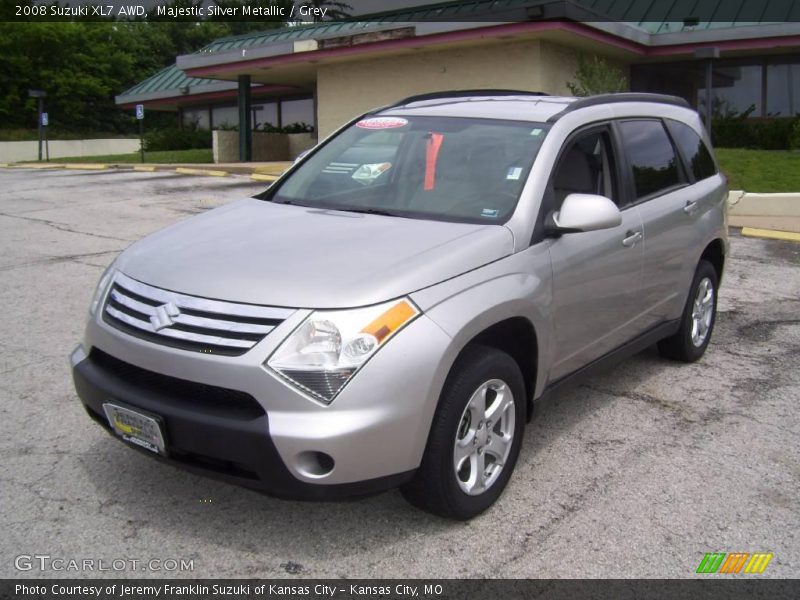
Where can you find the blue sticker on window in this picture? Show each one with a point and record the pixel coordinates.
(490, 212)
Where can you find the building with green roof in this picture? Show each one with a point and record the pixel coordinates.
(324, 74)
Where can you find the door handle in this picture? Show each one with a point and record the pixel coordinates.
(631, 238)
(690, 207)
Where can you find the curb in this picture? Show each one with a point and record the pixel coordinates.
(207, 172)
(787, 236)
(37, 166)
(145, 168)
(86, 166)
(263, 177)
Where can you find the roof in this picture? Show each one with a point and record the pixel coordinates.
(171, 78)
(668, 17)
(647, 22)
(514, 105)
(514, 108)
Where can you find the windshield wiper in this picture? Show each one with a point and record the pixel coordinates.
(370, 211)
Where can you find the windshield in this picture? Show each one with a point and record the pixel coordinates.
(454, 169)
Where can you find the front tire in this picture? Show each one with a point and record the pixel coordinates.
(697, 322)
(475, 437)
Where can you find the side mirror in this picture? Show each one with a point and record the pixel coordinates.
(584, 212)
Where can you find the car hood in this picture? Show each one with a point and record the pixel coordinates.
(260, 252)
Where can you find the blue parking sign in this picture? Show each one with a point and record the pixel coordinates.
(45, 119)
(140, 111)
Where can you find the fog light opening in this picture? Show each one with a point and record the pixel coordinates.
(314, 464)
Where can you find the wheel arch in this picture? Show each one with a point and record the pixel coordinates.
(714, 253)
(516, 336)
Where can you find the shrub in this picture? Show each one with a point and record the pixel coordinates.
(595, 76)
(177, 139)
(774, 134)
(269, 128)
(794, 139)
(729, 128)
(732, 129)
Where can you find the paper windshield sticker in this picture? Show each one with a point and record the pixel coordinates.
(536, 132)
(514, 173)
(431, 154)
(490, 212)
(382, 123)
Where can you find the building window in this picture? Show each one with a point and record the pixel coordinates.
(766, 87)
(736, 90)
(225, 116)
(783, 90)
(196, 117)
(297, 111)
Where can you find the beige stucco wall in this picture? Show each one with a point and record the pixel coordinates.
(266, 146)
(14, 151)
(347, 89)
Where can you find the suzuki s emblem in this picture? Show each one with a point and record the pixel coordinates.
(164, 316)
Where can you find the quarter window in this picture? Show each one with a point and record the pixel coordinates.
(694, 150)
(651, 156)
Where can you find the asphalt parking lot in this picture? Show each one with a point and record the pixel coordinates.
(637, 473)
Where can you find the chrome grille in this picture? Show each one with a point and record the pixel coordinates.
(188, 322)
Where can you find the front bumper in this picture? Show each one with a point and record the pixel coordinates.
(233, 419)
(231, 445)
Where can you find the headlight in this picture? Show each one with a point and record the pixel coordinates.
(100, 290)
(329, 347)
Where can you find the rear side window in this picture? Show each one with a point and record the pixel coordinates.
(696, 152)
(651, 156)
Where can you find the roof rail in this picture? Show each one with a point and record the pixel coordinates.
(462, 94)
(616, 98)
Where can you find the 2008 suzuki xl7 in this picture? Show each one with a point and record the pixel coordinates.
(386, 312)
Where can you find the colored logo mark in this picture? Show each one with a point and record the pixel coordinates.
(734, 562)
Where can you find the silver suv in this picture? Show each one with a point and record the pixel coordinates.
(387, 312)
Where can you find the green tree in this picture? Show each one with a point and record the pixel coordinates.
(595, 75)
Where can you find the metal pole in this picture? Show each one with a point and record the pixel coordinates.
(141, 139)
(709, 85)
(245, 123)
(46, 145)
(41, 127)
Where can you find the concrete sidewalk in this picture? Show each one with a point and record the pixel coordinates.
(775, 212)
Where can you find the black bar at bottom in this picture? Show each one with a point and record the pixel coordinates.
(711, 588)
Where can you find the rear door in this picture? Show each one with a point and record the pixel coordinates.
(669, 208)
(597, 275)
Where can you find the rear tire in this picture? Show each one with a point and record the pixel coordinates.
(697, 322)
(475, 436)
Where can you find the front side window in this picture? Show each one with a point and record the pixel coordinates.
(696, 152)
(651, 156)
(586, 167)
(454, 169)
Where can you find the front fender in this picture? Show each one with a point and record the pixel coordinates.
(516, 286)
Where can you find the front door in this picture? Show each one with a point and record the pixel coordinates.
(597, 275)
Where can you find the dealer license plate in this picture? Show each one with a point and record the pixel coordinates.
(134, 427)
